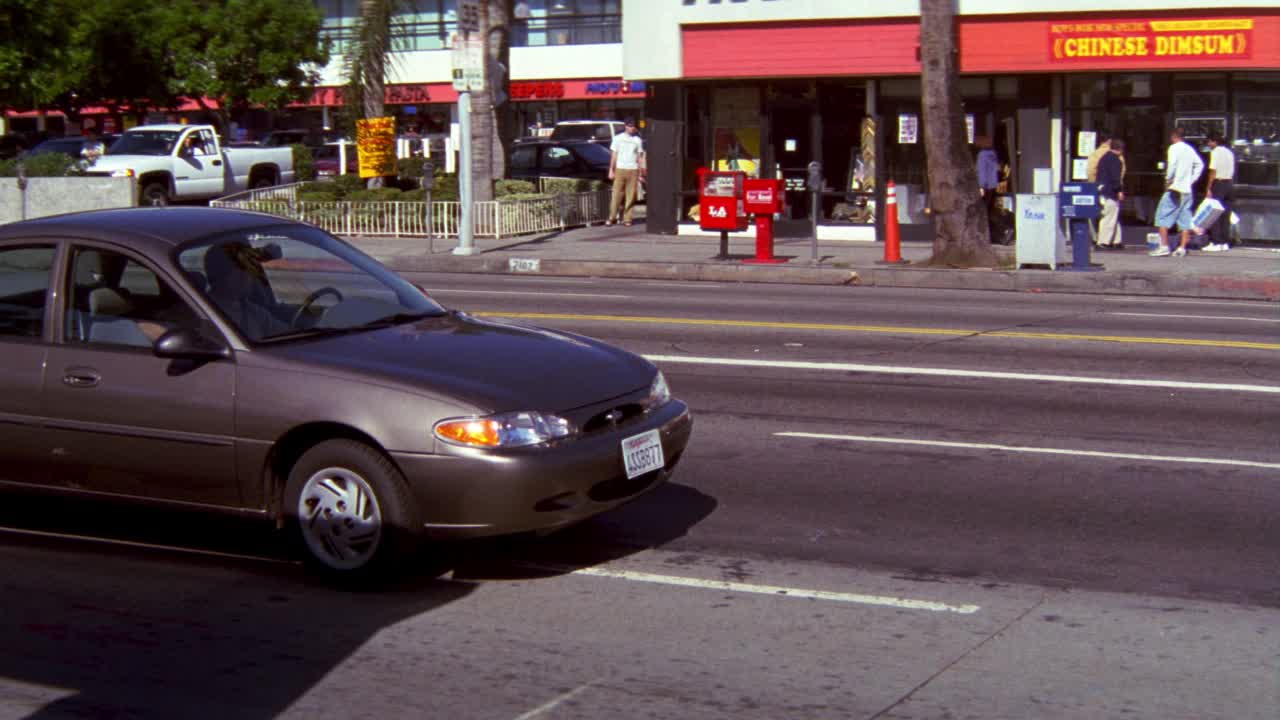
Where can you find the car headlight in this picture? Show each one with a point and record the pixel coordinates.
(659, 392)
(514, 429)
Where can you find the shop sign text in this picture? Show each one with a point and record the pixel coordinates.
(1151, 40)
(615, 87)
(537, 90)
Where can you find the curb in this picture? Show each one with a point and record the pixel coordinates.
(1264, 287)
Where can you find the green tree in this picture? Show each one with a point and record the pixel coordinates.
(961, 236)
(36, 63)
(243, 53)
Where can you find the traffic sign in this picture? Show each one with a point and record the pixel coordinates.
(468, 64)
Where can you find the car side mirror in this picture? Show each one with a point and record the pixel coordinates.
(190, 344)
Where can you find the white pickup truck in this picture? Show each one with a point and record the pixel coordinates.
(186, 162)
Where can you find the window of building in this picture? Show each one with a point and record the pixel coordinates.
(1255, 137)
(417, 25)
(566, 22)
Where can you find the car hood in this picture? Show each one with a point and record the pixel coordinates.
(109, 163)
(493, 365)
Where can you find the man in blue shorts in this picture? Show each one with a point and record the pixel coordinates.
(1182, 169)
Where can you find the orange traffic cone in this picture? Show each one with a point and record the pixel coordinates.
(892, 241)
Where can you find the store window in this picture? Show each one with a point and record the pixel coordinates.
(1256, 131)
(417, 24)
(566, 22)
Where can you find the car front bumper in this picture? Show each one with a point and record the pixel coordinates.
(478, 493)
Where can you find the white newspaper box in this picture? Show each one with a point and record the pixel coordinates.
(1039, 239)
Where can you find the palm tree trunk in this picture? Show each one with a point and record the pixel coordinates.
(961, 236)
(488, 153)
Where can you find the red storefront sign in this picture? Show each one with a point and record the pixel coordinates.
(1153, 40)
(1019, 43)
(542, 90)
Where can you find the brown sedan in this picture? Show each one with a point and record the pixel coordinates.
(244, 363)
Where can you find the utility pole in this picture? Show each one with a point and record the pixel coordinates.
(468, 75)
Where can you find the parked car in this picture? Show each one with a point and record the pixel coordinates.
(72, 145)
(599, 131)
(188, 162)
(326, 159)
(551, 158)
(242, 363)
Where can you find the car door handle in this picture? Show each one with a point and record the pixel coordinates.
(81, 378)
(217, 163)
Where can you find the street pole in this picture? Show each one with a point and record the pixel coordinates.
(466, 229)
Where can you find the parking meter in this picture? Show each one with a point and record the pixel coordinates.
(428, 175)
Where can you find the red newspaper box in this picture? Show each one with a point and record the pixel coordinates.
(763, 199)
(720, 200)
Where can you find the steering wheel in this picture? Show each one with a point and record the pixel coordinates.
(311, 299)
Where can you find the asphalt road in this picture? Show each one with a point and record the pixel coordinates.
(897, 504)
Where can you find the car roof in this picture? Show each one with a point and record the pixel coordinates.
(148, 229)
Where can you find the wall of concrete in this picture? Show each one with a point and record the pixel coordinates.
(58, 195)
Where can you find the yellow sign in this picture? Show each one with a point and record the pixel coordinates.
(376, 146)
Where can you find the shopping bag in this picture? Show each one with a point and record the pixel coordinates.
(1206, 215)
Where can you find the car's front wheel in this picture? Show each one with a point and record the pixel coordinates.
(351, 509)
(155, 194)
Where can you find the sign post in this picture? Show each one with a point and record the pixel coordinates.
(468, 76)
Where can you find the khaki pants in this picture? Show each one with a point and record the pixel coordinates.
(1109, 225)
(625, 183)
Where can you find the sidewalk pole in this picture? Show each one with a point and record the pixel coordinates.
(466, 227)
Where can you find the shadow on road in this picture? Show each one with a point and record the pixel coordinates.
(95, 630)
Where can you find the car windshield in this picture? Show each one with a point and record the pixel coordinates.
(585, 131)
(594, 153)
(284, 282)
(145, 142)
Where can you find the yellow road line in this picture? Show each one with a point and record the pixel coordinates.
(888, 329)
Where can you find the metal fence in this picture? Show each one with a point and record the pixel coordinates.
(494, 219)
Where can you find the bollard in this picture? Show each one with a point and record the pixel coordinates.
(892, 239)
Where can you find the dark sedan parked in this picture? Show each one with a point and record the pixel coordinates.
(579, 159)
(244, 363)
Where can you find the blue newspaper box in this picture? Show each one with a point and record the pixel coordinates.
(1079, 201)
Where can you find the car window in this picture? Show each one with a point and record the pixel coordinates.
(24, 283)
(145, 142)
(524, 158)
(115, 300)
(555, 157)
(291, 281)
(594, 154)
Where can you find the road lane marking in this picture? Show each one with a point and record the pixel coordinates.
(539, 293)
(1030, 449)
(555, 702)
(142, 545)
(1202, 302)
(890, 329)
(1195, 317)
(790, 592)
(949, 372)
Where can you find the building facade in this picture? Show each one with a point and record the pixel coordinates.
(769, 86)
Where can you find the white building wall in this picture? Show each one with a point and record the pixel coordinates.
(651, 28)
(561, 62)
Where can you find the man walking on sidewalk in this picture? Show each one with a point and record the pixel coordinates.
(1182, 168)
(626, 170)
(1111, 189)
(1222, 169)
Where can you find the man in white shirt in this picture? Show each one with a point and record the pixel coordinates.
(1222, 170)
(1182, 168)
(626, 170)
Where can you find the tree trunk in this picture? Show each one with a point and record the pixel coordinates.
(488, 153)
(376, 15)
(961, 238)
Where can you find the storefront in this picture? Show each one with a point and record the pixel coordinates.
(1042, 88)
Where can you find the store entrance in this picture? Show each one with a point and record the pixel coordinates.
(792, 148)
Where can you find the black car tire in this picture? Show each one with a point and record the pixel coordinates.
(351, 469)
(154, 194)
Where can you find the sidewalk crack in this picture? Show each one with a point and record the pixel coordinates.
(981, 644)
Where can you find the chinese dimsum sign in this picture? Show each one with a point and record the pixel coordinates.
(1151, 40)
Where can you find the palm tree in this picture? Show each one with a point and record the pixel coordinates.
(368, 59)
(488, 132)
(961, 234)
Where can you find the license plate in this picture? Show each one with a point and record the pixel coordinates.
(642, 453)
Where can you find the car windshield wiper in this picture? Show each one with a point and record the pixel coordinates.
(382, 322)
(398, 319)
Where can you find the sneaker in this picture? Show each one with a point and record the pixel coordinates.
(1216, 247)
(1180, 252)
(1159, 252)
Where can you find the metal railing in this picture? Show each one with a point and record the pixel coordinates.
(493, 219)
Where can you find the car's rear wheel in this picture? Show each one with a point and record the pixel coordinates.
(351, 510)
(262, 181)
(155, 194)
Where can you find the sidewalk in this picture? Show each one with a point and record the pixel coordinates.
(1251, 273)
